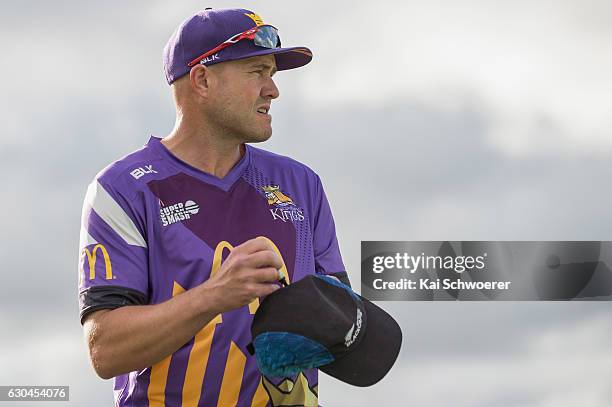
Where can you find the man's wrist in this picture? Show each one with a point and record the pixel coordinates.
(208, 305)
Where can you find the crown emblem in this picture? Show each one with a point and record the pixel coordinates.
(276, 197)
(258, 21)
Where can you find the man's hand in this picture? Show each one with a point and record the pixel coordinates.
(134, 337)
(250, 271)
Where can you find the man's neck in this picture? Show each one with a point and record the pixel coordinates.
(202, 150)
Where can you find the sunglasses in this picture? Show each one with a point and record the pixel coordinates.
(265, 36)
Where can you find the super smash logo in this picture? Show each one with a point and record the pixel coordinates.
(284, 207)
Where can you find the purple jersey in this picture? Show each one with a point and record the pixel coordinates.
(154, 227)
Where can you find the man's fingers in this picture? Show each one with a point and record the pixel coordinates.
(265, 289)
(258, 244)
(266, 275)
(262, 259)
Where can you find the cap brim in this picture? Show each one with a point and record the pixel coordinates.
(286, 58)
(374, 356)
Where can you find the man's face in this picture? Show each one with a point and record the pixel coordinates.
(241, 98)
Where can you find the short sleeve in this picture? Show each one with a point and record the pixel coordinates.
(327, 256)
(113, 254)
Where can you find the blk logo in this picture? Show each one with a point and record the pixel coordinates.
(211, 58)
(142, 171)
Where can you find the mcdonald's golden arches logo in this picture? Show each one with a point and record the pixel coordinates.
(91, 260)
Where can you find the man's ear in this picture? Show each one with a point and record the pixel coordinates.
(201, 78)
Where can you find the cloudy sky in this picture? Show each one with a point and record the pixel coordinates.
(438, 120)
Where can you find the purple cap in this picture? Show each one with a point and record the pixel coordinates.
(209, 28)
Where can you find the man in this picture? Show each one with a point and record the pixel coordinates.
(181, 238)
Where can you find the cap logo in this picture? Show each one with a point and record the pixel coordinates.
(258, 21)
(352, 333)
(211, 58)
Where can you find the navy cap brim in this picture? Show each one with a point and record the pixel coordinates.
(294, 57)
(375, 354)
(286, 58)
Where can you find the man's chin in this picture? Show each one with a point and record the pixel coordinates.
(259, 137)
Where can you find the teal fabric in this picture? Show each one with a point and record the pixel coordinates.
(284, 354)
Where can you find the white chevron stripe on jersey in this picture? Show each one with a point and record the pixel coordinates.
(105, 206)
(86, 238)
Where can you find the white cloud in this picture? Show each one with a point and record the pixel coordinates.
(536, 69)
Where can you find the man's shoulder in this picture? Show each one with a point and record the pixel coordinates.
(127, 172)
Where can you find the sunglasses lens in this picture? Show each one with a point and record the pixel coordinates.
(267, 37)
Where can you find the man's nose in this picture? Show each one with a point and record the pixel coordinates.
(270, 90)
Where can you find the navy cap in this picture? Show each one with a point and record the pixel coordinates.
(209, 28)
(329, 327)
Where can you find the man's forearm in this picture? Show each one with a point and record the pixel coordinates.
(134, 337)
